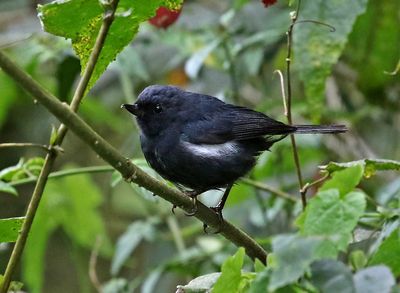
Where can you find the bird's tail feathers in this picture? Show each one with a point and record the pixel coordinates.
(309, 129)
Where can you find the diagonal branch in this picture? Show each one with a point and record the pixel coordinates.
(129, 171)
(51, 156)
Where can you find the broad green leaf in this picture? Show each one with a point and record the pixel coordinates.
(380, 50)
(370, 166)
(344, 181)
(35, 249)
(7, 188)
(331, 276)
(260, 283)
(291, 257)
(195, 62)
(128, 241)
(374, 279)
(10, 228)
(70, 203)
(80, 21)
(200, 284)
(316, 49)
(330, 215)
(8, 96)
(388, 253)
(229, 280)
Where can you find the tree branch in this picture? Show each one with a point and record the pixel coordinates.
(62, 131)
(289, 33)
(129, 171)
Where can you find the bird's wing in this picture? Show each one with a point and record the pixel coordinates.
(232, 123)
(248, 124)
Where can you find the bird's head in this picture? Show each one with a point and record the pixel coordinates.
(157, 108)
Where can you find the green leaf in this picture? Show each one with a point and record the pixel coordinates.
(331, 276)
(200, 284)
(345, 180)
(260, 283)
(258, 266)
(14, 285)
(330, 215)
(195, 62)
(7, 188)
(128, 241)
(374, 279)
(229, 280)
(8, 96)
(118, 285)
(388, 253)
(292, 255)
(10, 228)
(80, 21)
(379, 50)
(358, 259)
(370, 166)
(70, 203)
(316, 49)
(9, 173)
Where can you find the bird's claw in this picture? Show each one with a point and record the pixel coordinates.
(218, 211)
(173, 208)
(193, 211)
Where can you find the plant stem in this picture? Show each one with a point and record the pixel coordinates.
(289, 34)
(265, 187)
(24, 145)
(176, 234)
(7, 65)
(122, 164)
(69, 172)
(232, 70)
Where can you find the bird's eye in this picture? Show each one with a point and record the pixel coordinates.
(157, 108)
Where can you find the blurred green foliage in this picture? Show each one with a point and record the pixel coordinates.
(347, 238)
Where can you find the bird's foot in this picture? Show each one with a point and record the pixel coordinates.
(218, 211)
(193, 210)
(193, 196)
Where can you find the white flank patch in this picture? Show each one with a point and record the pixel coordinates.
(212, 150)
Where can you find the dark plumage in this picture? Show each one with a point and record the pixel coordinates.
(199, 142)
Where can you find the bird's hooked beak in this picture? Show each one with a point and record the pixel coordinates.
(133, 109)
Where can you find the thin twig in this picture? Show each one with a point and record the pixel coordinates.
(93, 263)
(64, 173)
(129, 171)
(7, 65)
(232, 70)
(308, 185)
(282, 82)
(24, 145)
(331, 27)
(289, 33)
(176, 234)
(265, 187)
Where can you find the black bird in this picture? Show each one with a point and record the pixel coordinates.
(198, 142)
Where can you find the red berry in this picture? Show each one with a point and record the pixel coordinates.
(268, 2)
(165, 17)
